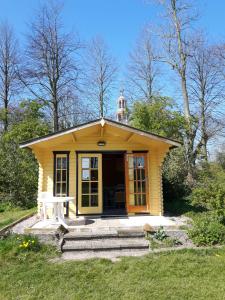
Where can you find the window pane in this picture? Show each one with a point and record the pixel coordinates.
(135, 199)
(85, 188)
(135, 174)
(143, 199)
(94, 200)
(135, 186)
(94, 187)
(85, 163)
(94, 162)
(85, 174)
(94, 175)
(58, 188)
(139, 186)
(85, 200)
(63, 188)
(58, 162)
(140, 162)
(143, 186)
(58, 175)
(64, 161)
(142, 171)
(135, 162)
(64, 175)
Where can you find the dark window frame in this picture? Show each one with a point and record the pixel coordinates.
(67, 153)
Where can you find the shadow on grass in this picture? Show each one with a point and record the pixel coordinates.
(180, 207)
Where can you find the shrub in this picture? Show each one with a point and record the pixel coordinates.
(207, 230)
(209, 192)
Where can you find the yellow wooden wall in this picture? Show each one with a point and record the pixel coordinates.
(156, 156)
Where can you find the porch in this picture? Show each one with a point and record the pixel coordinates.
(103, 224)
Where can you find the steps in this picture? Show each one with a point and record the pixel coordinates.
(104, 241)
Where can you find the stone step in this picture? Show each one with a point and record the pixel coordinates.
(113, 255)
(92, 235)
(105, 244)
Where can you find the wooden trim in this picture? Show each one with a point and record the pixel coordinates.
(89, 210)
(101, 122)
(77, 211)
(67, 153)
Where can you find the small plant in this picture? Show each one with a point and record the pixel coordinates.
(28, 243)
(160, 234)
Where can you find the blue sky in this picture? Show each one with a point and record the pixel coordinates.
(117, 21)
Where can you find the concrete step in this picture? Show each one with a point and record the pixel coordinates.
(92, 235)
(113, 255)
(105, 244)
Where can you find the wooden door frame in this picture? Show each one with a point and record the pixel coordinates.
(141, 208)
(98, 209)
(77, 176)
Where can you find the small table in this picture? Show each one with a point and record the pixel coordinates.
(58, 209)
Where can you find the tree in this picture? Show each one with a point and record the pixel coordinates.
(143, 68)
(159, 117)
(207, 93)
(51, 69)
(100, 76)
(8, 69)
(162, 117)
(18, 167)
(176, 43)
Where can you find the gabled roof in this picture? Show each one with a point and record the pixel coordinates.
(101, 122)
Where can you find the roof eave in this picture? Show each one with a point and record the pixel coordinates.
(102, 121)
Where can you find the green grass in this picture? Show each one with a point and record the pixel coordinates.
(190, 274)
(11, 215)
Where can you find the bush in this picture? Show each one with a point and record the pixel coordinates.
(207, 231)
(209, 191)
(175, 187)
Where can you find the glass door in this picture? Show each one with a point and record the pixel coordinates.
(136, 182)
(89, 183)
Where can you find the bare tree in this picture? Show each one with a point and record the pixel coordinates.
(51, 67)
(143, 68)
(207, 93)
(176, 42)
(8, 69)
(100, 76)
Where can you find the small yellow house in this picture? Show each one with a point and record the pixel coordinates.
(107, 167)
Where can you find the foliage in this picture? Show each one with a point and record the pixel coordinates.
(220, 158)
(175, 186)
(168, 242)
(158, 116)
(28, 243)
(160, 234)
(209, 191)
(207, 230)
(161, 117)
(18, 168)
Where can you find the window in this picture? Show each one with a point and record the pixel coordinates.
(61, 174)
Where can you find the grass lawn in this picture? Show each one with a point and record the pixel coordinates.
(10, 215)
(189, 274)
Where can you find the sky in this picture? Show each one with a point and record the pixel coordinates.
(117, 21)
